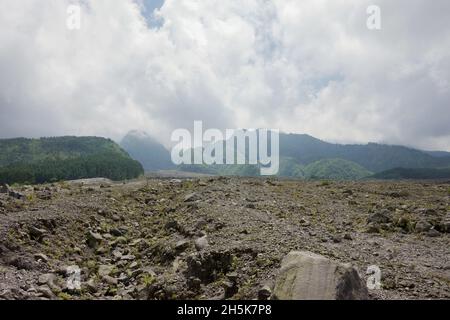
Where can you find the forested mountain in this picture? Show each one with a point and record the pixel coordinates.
(373, 157)
(143, 148)
(64, 158)
(303, 156)
(413, 174)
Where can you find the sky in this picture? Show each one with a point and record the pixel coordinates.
(309, 66)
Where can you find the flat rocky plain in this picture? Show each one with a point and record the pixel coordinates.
(216, 238)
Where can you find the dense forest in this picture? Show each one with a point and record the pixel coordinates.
(64, 158)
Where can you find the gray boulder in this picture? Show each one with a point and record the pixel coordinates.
(308, 276)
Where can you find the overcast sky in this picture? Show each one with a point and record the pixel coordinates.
(309, 66)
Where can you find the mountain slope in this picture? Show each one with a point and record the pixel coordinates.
(143, 148)
(413, 174)
(64, 158)
(373, 157)
(337, 169)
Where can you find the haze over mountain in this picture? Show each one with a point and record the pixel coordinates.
(302, 156)
(143, 148)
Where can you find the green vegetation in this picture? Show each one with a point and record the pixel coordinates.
(306, 157)
(64, 158)
(336, 169)
(413, 174)
(373, 157)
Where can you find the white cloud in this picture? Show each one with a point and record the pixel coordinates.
(309, 66)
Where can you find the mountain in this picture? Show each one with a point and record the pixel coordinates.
(304, 156)
(336, 169)
(439, 154)
(143, 148)
(64, 158)
(413, 174)
(373, 157)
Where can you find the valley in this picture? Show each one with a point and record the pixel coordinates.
(218, 237)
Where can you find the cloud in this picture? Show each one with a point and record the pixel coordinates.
(309, 66)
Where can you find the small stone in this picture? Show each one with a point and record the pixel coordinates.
(348, 236)
(182, 245)
(423, 226)
(16, 195)
(383, 216)
(91, 286)
(94, 240)
(36, 233)
(41, 257)
(336, 238)
(46, 278)
(110, 280)
(46, 292)
(230, 289)
(128, 257)
(264, 293)
(373, 228)
(433, 233)
(232, 276)
(116, 232)
(4, 188)
(201, 243)
(191, 197)
(117, 254)
(105, 270)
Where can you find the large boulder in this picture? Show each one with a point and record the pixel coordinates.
(308, 276)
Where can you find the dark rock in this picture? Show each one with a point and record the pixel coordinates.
(182, 245)
(432, 233)
(264, 293)
(443, 226)
(208, 265)
(116, 232)
(230, 289)
(36, 233)
(4, 188)
(94, 240)
(383, 216)
(348, 236)
(423, 226)
(16, 195)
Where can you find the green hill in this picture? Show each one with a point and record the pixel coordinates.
(373, 157)
(64, 158)
(336, 169)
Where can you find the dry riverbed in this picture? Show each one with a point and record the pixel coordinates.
(213, 238)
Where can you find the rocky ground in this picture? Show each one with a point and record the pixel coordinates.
(211, 238)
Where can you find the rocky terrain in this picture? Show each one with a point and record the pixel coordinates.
(215, 238)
